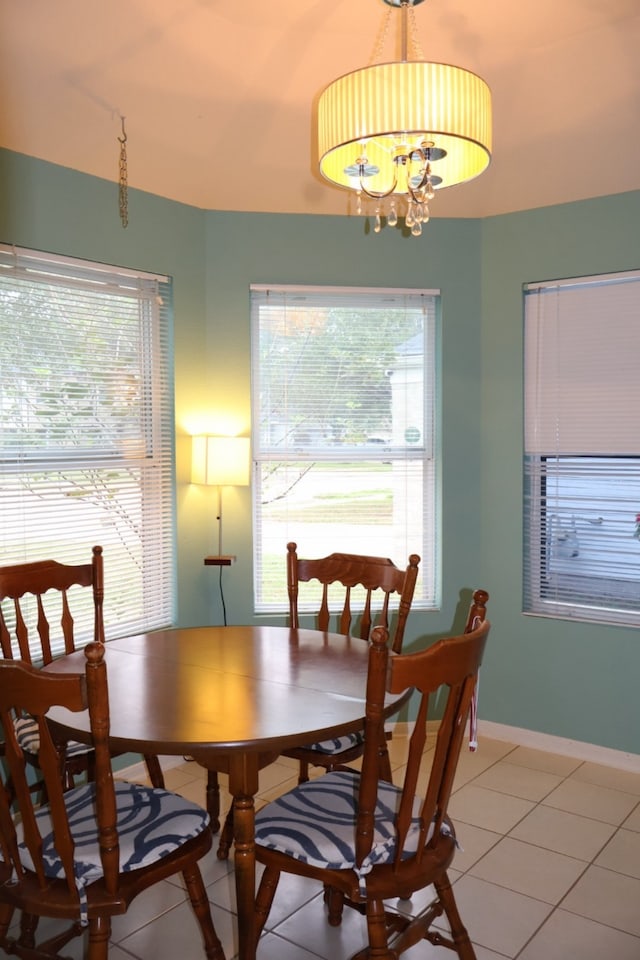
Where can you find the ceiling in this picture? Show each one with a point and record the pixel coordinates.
(218, 95)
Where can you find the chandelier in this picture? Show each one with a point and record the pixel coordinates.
(396, 132)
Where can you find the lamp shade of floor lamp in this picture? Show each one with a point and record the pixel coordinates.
(220, 462)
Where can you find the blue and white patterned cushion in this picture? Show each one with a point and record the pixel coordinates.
(338, 745)
(151, 824)
(28, 737)
(315, 823)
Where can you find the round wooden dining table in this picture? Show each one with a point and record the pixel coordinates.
(233, 698)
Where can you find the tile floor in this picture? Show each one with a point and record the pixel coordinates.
(549, 870)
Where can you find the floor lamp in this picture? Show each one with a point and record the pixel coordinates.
(220, 462)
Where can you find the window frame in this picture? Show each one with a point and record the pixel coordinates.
(581, 464)
(132, 477)
(426, 456)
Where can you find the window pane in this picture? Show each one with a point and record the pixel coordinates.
(584, 518)
(343, 387)
(86, 429)
(581, 467)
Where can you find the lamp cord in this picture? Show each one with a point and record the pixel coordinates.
(224, 607)
(219, 519)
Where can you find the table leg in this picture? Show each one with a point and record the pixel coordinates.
(243, 785)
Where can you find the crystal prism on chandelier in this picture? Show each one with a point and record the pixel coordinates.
(396, 132)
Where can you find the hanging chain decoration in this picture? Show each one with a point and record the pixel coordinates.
(381, 40)
(414, 46)
(414, 39)
(123, 191)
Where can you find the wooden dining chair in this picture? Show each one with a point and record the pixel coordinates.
(350, 577)
(35, 611)
(367, 840)
(84, 855)
(353, 594)
(345, 581)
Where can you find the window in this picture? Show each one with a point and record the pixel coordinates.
(343, 436)
(582, 448)
(86, 428)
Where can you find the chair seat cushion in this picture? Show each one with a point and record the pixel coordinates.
(315, 823)
(28, 737)
(151, 824)
(339, 744)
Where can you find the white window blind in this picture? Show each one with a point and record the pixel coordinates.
(86, 435)
(343, 430)
(582, 448)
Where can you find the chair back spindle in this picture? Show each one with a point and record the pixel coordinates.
(50, 583)
(375, 576)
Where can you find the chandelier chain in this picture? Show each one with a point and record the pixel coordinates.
(123, 188)
(383, 33)
(416, 49)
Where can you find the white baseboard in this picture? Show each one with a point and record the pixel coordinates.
(546, 742)
(549, 743)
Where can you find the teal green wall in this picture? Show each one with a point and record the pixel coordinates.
(574, 680)
(61, 211)
(571, 680)
(245, 248)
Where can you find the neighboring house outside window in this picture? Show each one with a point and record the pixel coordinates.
(582, 449)
(343, 431)
(86, 429)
